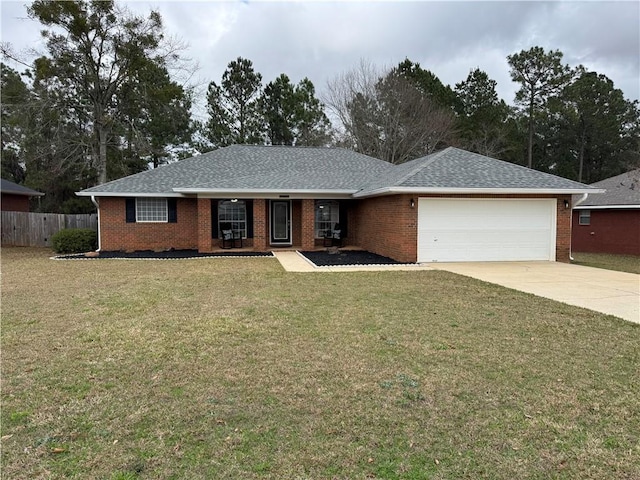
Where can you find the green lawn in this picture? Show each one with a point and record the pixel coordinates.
(233, 368)
(621, 263)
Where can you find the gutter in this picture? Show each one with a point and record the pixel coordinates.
(471, 190)
(93, 200)
(578, 202)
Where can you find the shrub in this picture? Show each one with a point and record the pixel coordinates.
(75, 240)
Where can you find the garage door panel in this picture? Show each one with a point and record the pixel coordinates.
(486, 229)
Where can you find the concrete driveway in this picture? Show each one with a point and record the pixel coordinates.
(606, 291)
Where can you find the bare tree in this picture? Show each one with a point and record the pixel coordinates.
(386, 116)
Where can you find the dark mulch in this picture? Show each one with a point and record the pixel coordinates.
(167, 255)
(348, 257)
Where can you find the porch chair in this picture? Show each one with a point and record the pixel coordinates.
(333, 237)
(227, 235)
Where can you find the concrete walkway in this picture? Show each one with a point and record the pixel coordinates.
(605, 291)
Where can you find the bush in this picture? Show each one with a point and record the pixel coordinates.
(75, 240)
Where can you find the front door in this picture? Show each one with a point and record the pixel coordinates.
(281, 222)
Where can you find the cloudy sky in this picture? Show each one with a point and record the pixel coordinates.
(320, 40)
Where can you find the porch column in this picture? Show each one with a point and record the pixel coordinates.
(204, 225)
(260, 243)
(308, 224)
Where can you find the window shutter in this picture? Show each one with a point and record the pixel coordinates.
(130, 210)
(214, 218)
(249, 207)
(172, 210)
(343, 209)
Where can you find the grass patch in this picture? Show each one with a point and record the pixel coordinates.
(608, 261)
(233, 368)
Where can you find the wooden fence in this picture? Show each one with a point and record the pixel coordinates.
(28, 229)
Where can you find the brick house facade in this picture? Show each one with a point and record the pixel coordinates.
(381, 216)
(16, 198)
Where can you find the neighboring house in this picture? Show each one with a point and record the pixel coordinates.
(15, 198)
(452, 205)
(610, 222)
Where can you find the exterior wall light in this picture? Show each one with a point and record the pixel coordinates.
(566, 204)
(412, 203)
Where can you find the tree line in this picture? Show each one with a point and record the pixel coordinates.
(105, 101)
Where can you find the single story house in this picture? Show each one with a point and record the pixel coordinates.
(610, 222)
(452, 205)
(15, 198)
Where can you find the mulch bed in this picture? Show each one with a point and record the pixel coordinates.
(348, 258)
(166, 255)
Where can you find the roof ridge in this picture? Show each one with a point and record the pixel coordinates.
(330, 147)
(630, 174)
(423, 164)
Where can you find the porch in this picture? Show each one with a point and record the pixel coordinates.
(261, 225)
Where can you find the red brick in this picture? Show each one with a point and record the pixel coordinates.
(609, 231)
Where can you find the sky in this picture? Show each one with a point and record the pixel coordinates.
(322, 39)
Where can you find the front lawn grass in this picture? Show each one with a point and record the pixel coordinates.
(233, 368)
(608, 261)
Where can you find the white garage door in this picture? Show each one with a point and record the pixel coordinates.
(468, 230)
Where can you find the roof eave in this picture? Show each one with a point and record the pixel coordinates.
(497, 191)
(266, 193)
(85, 193)
(229, 193)
(23, 194)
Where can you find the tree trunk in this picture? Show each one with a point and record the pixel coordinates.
(530, 146)
(581, 157)
(102, 154)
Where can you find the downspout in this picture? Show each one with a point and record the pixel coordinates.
(578, 202)
(93, 200)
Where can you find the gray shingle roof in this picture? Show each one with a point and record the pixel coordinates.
(249, 168)
(622, 189)
(458, 169)
(9, 187)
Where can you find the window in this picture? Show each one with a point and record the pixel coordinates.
(327, 215)
(584, 217)
(235, 213)
(151, 210)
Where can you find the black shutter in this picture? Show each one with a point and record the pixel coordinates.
(249, 205)
(130, 210)
(343, 214)
(172, 210)
(214, 218)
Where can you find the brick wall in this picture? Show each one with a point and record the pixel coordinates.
(260, 224)
(386, 226)
(117, 234)
(563, 229)
(308, 224)
(389, 226)
(203, 232)
(609, 231)
(15, 203)
(383, 225)
(296, 222)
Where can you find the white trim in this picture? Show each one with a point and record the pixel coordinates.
(131, 194)
(166, 211)
(95, 202)
(604, 207)
(466, 190)
(588, 217)
(273, 194)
